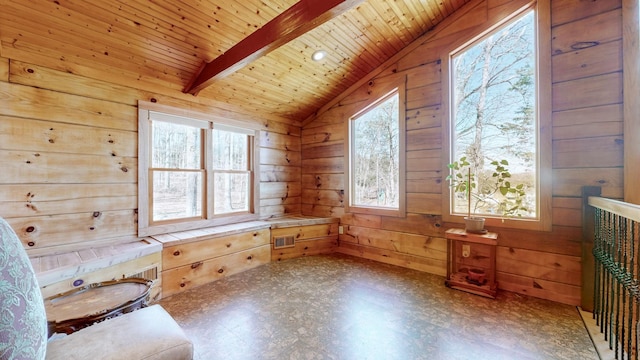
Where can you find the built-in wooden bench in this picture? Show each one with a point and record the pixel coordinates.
(196, 257)
(303, 236)
(62, 272)
(183, 260)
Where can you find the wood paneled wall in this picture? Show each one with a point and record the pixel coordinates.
(68, 151)
(587, 149)
(68, 157)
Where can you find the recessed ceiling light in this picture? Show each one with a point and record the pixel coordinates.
(318, 55)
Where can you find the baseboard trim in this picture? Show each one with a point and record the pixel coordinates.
(602, 346)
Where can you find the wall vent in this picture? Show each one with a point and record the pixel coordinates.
(284, 242)
(150, 274)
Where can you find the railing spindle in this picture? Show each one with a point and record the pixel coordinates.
(616, 298)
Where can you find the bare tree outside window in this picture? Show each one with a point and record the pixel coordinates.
(231, 168)
(195, 172)
(375, 155)
(494, 111)
(176, 171)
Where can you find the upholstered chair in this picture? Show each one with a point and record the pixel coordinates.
(149, 333)
(23, 322)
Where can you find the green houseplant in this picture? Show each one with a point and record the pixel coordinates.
(495, 192)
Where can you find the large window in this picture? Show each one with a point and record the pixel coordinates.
(495, 114)
(194, 172)
(376, 151)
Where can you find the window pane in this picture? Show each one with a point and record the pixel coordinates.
(231, 192)
(175, 146)
(375, 156)
(495, 121)
(176, 194)
(229, 150)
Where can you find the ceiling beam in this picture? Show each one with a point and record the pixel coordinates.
(302, 17)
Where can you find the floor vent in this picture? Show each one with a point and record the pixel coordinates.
(284, 242)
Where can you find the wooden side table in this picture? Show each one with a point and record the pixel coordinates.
(471, 263)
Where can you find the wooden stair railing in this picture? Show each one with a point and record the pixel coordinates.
(616, 272)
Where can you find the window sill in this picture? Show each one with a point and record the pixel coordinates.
(521, 224)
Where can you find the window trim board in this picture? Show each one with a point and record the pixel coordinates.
(383, 89)
(145, 228)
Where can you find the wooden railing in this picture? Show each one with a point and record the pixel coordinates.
(616, 273)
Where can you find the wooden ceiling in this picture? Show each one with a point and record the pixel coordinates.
(154, 44)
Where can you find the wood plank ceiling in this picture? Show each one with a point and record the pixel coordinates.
(162, 43)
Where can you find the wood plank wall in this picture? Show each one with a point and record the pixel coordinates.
(587, 150)
(68, 159)
(68, 154)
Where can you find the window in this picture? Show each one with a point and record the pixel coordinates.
(193, 172)
(176, 172)
(376, 157)
(231, 170)
(496, 111)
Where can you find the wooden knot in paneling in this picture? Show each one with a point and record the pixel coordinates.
(249, 257)
(176, 253)
(584, 45)
(196, 265)
(220, 271)
(228, 245)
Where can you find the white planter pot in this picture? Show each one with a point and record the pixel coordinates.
(474, 224)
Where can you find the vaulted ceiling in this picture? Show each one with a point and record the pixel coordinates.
(162, 43)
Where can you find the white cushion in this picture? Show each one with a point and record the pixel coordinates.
(149, 333)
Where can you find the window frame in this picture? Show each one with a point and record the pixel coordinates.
(146, 112)
(631, 79)
(542, 30)
(376, 96)
(202, 129)
(251, 144)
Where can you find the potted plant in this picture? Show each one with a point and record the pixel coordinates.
(497, 190)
